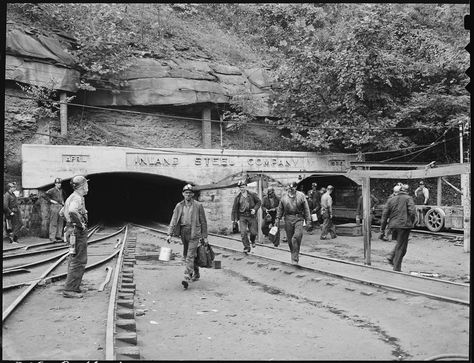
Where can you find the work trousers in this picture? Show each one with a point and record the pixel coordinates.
(328, 226)
(248, 224)
(266, 229)
(15, 225)
(294, 235)
(191, 253)
(77, 262)
(55, 222)
(400, 248)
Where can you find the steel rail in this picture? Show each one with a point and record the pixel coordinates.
(33, 284)
(31, 253)
(109, 335)
(332, 259)
(58, 276)
(350, 278)
(92, 230)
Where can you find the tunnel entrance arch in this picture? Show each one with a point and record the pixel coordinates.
(116, 197)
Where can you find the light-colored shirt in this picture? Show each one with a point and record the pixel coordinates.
(326, 202)
(186, 215)
(75, 209)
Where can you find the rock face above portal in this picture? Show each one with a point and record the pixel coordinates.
(36, 58)
(184, 82)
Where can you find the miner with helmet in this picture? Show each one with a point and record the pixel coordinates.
(75, 214)
(295, 209)
(244, 210)
(189, 222)
(11, 213)
(55, 197)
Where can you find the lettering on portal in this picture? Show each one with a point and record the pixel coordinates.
(67, 158)
(151, 160)
(147, 160)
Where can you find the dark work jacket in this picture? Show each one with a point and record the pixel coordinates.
(198, 220)
(360, 206)
(254, 203)
(10, 203)
(400, 211)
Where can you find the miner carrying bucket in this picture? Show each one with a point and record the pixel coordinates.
(189, 222)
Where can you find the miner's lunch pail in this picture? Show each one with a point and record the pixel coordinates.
(165, 254)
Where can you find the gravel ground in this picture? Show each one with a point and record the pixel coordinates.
(251, 311)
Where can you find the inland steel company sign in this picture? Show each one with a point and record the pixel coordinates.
(43, 163)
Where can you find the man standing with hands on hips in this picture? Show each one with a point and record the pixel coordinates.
(75, 214)
(189, 222)
(244, 210)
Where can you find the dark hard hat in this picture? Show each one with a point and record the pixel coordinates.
(188, 187)
(57, 180)
(78, 181)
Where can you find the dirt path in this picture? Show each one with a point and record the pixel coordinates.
(251, 311)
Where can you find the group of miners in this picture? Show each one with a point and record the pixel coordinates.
(296, 208)
(189, 221)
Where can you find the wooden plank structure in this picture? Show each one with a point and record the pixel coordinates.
(368, 171)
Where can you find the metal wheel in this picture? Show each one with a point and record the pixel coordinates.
(434, 219)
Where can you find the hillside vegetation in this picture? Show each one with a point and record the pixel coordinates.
(369, 78)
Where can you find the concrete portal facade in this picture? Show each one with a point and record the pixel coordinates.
(42, 163)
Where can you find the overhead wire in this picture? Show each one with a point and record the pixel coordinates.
(371, 128)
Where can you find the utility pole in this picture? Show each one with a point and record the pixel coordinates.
(465, 195)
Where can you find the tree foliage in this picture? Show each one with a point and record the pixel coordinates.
(376, 77)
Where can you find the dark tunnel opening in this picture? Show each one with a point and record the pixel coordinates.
(119, 197)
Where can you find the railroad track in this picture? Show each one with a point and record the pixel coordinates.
(452, 292)
(35, 270)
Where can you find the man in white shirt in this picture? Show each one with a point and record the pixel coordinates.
(326, 212)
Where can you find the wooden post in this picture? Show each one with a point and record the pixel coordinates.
(206, 128)
(366, 218)
(63, 113)
(466, 203)
(259, 212)
(438, 191)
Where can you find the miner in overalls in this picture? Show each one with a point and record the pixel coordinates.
(244, 210)
(75, 214)
(327, 214)
(189, 222)
(269, 208)
(422, 194)
(12, 214)
(55, 197)
(294, 207)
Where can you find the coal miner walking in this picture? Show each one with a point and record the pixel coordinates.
(189, 222)
(400, 212)
(294, 208)
(75, 214)
(244, 210)
(327, 214)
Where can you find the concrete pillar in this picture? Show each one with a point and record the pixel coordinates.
(438, 191)
(63, 113)
(206, 128)
(259, 212)
(466, 203)
(366, 227)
